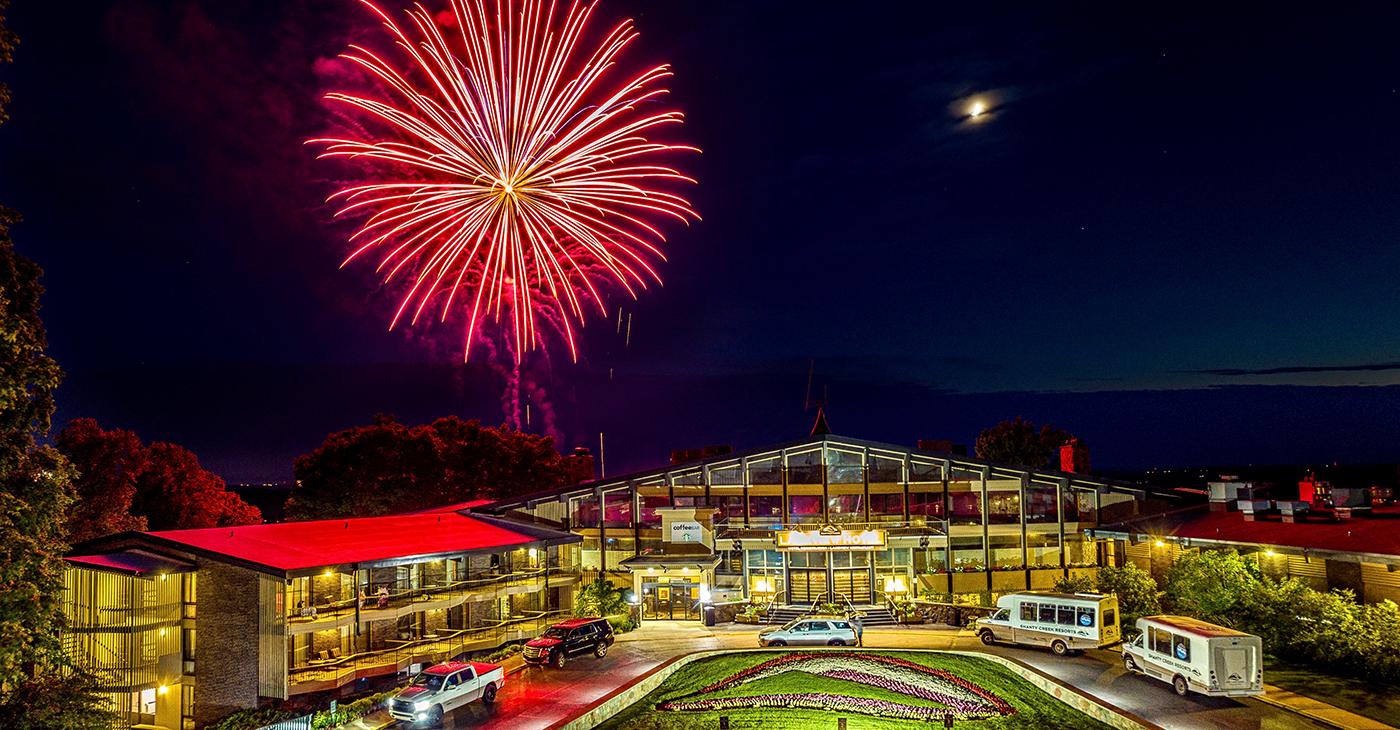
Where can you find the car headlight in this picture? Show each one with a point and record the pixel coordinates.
(420, 706)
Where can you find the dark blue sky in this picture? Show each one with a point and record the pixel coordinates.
(1175, 234)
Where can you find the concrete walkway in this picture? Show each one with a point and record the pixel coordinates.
(1319, 710)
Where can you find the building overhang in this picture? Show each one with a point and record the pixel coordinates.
(670, 563)
(135, 563)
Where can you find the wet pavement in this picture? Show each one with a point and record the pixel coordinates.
(537, 697)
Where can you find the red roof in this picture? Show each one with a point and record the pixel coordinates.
(1378, 533)
(301, 545)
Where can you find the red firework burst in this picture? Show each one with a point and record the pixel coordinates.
(507, 173)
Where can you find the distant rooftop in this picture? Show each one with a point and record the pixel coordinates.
(1374, 536)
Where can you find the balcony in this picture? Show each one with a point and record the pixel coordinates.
(401, 601)
(432, 649)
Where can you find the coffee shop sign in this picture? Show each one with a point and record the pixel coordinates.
(845, 539)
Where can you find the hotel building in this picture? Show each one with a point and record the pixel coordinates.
(181, 628)
(834, 519)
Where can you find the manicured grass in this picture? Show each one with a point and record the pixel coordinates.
(1034, 709)
(1380, 702)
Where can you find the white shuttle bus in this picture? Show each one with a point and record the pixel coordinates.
(1062, 621)
(1195, 656)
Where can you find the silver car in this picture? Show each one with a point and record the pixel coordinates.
(811, 632)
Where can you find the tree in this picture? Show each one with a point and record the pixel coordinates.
(1018, 442)
(1209, 583)
(174, 493)
(1138, 594)
(38, 687)
(107, 462)
(125, 485)
(1136, 591)
(389, 468)
(600, 598)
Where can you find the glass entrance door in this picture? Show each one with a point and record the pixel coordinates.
(670, 601)
(850, 577)
(807, 579)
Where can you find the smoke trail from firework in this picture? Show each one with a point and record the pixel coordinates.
(512, 175)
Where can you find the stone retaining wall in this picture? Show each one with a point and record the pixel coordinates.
(634, 691)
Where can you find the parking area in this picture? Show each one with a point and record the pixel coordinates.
(536, 698)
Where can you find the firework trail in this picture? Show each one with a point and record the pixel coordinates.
(507, 173)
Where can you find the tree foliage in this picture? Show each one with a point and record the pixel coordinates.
(600, 598)
(1019, 442)
(38, 687)
(125, 485)
(52, 701)
(1136, 591)
(7, 46)
(1327, 630)
(108, 462)
(1207, 584)
(390, 468)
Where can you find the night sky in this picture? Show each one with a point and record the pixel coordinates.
(1173, 233)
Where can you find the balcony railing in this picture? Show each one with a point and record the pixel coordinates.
(444, 645)
(399, 597)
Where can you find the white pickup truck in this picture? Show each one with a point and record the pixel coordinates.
(445, 687)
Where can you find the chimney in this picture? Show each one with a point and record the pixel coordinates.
(681, 456)
(943, 446)
(578, 467)
(1074, 457)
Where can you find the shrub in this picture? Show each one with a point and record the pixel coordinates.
(503, 653)
(252, 718)
(621, 624)
(1074, 584)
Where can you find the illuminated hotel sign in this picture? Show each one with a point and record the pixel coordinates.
(832, 540)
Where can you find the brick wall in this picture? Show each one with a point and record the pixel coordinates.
(227, 626)
(380, 632)
(325, 641)
(325, 589)
(434, 620)
(381, 577)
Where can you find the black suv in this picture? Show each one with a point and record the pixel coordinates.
(575, 636)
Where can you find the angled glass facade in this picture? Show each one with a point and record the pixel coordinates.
(954, 524)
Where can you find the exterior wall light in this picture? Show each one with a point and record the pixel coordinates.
(163, 690)
(1161, 544)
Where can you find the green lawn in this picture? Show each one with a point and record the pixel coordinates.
(1380, 702)
(1034, 709)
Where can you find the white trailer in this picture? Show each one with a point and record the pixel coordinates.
(1062, 621)
(1194, 656)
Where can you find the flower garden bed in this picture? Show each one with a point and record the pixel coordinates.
(873, 690)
